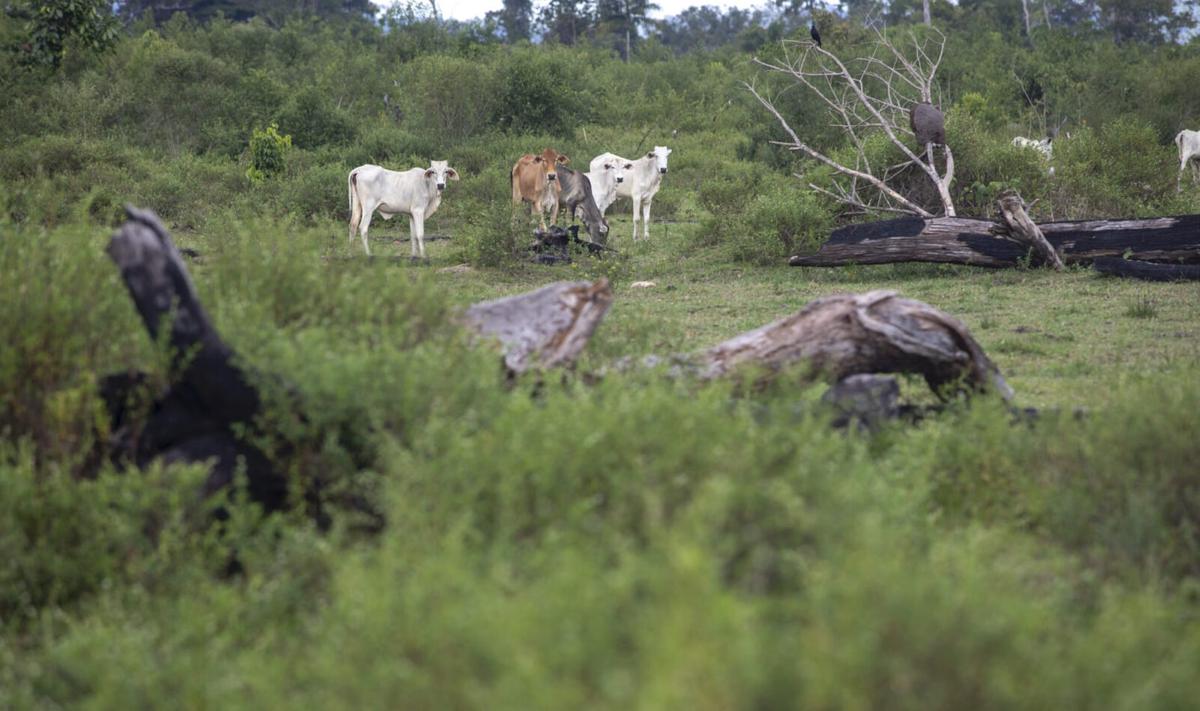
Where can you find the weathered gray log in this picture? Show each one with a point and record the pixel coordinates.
(850, 334)
(1013, 222)
(1147, 271)
(962, 240)
(544, 328)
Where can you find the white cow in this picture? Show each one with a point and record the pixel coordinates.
(605, 181)
(1044, 146)
(642, 182)
(1189, 149)
(416, 192)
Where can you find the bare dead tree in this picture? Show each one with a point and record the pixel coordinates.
(870, 95)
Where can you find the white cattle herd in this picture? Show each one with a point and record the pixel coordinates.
(417, 192)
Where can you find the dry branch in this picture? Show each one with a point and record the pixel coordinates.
(1015, 223)
(873, 97)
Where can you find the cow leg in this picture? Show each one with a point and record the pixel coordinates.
(368, 211)
(542, 216)
(417, 222)
(646, 217)
(637, 209)
(356, 213)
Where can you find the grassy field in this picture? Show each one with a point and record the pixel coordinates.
(1062, 340)
(636, 543)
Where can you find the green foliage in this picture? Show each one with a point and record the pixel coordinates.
(1117, 171)
(58, 25)
(313, 119)
(541, 91)
(267, 151)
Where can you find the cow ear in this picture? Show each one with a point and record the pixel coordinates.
(650, 154)
(563, 159)
(429, 173)
(452, 173)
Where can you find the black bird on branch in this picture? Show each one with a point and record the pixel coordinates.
(816, 36)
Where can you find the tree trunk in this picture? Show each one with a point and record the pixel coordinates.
(1028, 27)
(928, 17)
(962, 240)
(1147, 271)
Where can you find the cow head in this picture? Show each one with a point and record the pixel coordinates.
(550, 159)
(438, 171)
(659, 154)
(617, 168)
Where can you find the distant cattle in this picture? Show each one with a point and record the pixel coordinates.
(1188, 143)
(1044, 146)
(534, 181)
(416, 192)
(575, 191)
(641, 184)
(605, 181)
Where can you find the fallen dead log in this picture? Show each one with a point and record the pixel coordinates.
(962, 240)
(850, 334)
(1147, 271)
(544, 328)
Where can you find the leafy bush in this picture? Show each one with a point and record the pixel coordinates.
(313, 120)
(780, 221)
(448, 98)
(267, 151)
(541, 91)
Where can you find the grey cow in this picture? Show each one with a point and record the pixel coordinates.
(576, 191)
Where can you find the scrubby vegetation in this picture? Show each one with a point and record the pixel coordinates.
(632, 542)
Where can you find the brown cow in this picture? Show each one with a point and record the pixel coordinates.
(534, 182)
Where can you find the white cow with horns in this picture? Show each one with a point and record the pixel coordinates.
(416, 192)
(642, 182)
(1188, 143)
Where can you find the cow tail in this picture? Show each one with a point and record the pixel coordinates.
(516, 189)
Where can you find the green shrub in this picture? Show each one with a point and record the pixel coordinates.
(313, 119)
(267, 151)
(1119, 171)
(492, 233)
(541, 91)
(447, 98)
(780, 221)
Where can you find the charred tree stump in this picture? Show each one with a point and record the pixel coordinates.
(1147, 271)
(544, 328)
(194, 420)
(961, 240)
(1013, 222)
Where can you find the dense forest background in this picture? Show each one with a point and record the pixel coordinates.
(602, 537)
